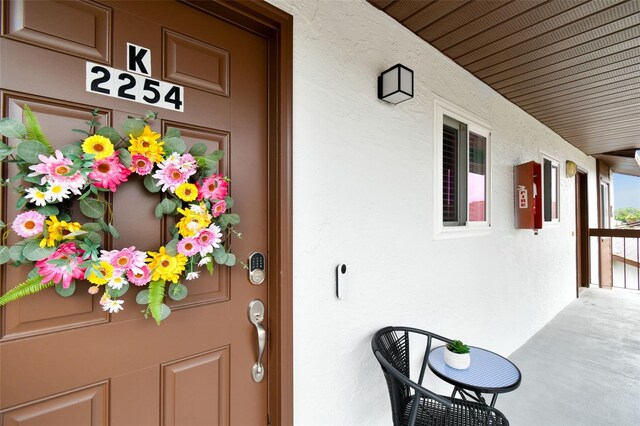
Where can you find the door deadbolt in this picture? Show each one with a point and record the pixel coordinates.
(256, 268)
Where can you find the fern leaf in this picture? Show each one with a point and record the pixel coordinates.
(156, 295)
(30, 286)
(34, 131)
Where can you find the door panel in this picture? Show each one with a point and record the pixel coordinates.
(187, 360)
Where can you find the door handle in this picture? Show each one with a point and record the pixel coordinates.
(256, 316)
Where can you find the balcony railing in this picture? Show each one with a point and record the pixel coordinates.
(619, 250)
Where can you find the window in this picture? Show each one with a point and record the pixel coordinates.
(551, 190)
(462, 179)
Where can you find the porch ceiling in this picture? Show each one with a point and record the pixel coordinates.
(572, 64)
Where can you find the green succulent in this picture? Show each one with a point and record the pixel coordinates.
(458, 347)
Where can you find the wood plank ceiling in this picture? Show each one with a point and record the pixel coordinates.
(572, 64)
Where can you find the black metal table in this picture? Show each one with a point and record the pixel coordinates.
(488, 373)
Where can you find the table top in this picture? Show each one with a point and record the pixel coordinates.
(488, 371)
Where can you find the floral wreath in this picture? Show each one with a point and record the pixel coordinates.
(63, 251)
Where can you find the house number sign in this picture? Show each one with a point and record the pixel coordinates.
(136, 83)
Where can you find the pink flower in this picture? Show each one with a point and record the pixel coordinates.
(214, 187)
(142, 277)
(124, 260)
(55, 169)
(28, 224)
(209, 238)
(64, 274)
(189, 246)
(175, 170)
(109, 172)
(141, 164)
(219, 208)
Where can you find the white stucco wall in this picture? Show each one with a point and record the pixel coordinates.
(363, 196)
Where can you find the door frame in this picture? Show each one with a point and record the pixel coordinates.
(276, 26)
(583, 264)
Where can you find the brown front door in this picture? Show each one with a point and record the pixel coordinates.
(582, 232)
(63, 360)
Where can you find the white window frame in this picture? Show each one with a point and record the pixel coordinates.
(479, 127)
(555, 163)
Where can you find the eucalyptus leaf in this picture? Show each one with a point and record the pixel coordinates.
(172, 247)
(229, 202)
(114, 232)
(150, 184)
(21, 203)
(15, 252)
(94, 237)
(103, 224)
(33, 252)
(133, 127)
(117, 292)
(168, 206)
(233, 218)
(48, 210)
(231, 259)
(172, 132)
(198, 149)
(32, 179)
(69, 150)
(93, 227)
(12, 128)
(66, 292)
(109, 133)
(30, 151)
(165, 311)
(125, 157)
(178, 291)
(4, 255)
(220, 258)
(174, 145)
(215, 156)
(142, 298)
(92, 208)
(159, 212)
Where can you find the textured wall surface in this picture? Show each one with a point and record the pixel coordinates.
(363, 196)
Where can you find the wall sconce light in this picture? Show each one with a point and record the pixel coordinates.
(395, 85)
(572, 168)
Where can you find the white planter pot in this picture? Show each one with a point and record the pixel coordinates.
(457, 361)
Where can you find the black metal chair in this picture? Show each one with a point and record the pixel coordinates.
(411, 403)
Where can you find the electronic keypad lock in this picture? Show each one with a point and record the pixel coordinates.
(256, 268)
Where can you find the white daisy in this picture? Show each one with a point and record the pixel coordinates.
(116, 283)
(196, 208)
(36, 196)
(204, 261)
(57, 192)
(113, 306)
(193, 275)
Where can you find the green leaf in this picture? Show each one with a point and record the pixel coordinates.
(48, 210)
(15, 253)
(92, 208)
(229, 202)
(168, 206)
(4, 255)
(114, 232)
(215, 156)
(142, 298)
(172, 247)
(33, 252)
(94, 237)
(117, 293)
(210, 267)
(103, 224)
(30, 286)
(174, 145)
(150, 184)
(34, 131)
(30, 150)
(69, 150)
(172, 132)
(92, 227)
(12, 128)
(156, 295)
(159, 212)
(125, 157)
(133, 127)
(165, 311)
(220, 258)
(198, 149)
(109, 133)
(66, 292)
(32, 179)
(231, 259)
(21, 203)
(178, 291)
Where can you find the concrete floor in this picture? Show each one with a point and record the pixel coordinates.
(583, 367)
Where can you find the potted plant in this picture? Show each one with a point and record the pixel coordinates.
(456, 355)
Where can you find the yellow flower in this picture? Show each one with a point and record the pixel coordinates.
(147, 144)
(187, 191)
(98, 145)
(166, 267)
(105, 269)
(58, 231)
(193, 221)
